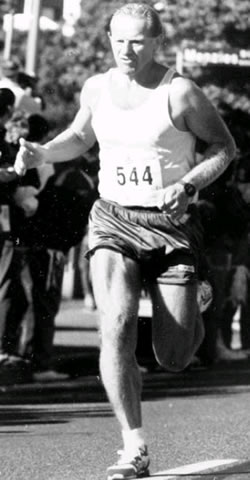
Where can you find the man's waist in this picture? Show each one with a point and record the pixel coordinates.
(149, 199)
(131, 198)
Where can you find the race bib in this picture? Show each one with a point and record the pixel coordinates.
(133, 178)
(137, 172)
(133, 173)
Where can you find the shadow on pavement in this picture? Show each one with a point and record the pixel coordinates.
(221, 378)
(84, 385)
(158, 383)
(77, 361)
(18, 416)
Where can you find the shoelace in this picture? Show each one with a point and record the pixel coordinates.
(126, 457)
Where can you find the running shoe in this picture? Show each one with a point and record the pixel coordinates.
(128, 468)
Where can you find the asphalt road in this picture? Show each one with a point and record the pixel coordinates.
(205, 435)
(197, 422)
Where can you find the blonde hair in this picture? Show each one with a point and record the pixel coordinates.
(143, 11)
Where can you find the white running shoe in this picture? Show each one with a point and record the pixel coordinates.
(129, 467)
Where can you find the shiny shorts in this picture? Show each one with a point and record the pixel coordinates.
(166, 251)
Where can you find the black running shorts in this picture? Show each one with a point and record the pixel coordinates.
(166, 251)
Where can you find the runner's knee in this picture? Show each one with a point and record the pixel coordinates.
(177, 357)
(174, 362)
(118, 331)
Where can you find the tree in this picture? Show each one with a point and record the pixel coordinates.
(213, 24)
(65, 63)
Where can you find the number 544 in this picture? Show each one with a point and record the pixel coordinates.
(133, 176)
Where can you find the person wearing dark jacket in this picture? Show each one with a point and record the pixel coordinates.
(31, 279)
(31, 273)
(8, 186)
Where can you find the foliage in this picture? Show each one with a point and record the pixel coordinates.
(17, 127)
(222, 25)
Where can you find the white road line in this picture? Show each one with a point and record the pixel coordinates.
(198, 467)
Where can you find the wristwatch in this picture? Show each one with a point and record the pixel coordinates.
(189, 188)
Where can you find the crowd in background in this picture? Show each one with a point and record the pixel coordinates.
(43, 215)
(35, 241)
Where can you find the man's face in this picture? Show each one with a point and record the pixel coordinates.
(132, 46)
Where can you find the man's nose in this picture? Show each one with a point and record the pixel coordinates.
(126, 47)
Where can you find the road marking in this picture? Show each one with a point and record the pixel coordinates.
(198, 467)
(193, 468)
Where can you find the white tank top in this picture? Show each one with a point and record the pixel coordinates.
(141, 151)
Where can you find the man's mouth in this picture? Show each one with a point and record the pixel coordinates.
(127, 60)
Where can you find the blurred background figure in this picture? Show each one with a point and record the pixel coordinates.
(11, 77)
(225, 215)
(89, 166)
(49, 214)
(9, 185)
(59, 223)
(31, 272)
(83, 265)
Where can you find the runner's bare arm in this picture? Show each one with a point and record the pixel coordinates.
(74, 141)
(192, 111)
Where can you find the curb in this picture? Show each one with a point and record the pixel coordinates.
(221, 379)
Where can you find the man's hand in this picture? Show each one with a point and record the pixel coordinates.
(175, 201)
(25, 198)
(30, 155)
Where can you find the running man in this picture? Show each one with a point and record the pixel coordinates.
(144, 229)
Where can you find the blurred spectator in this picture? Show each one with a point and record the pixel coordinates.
(83, 264)
(7, 100)
(225, 217)
(8, 178)
(89, 169)
(31, 273)
(242, 180)
(33, 256)
(9, 184)
(10, 74)
(70, 191)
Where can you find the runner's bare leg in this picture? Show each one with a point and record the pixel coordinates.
(117, 287)
(177, 324)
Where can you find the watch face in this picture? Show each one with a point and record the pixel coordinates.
(190, 189)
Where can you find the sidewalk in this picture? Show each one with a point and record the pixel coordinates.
(77, 353)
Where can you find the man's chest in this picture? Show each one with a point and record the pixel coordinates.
(129, 96)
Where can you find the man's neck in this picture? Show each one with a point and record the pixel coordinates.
(149, 77)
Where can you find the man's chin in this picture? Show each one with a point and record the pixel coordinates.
(127, 69)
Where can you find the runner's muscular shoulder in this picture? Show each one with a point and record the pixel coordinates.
(191, 110)
(88, 98)
(182, 99)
